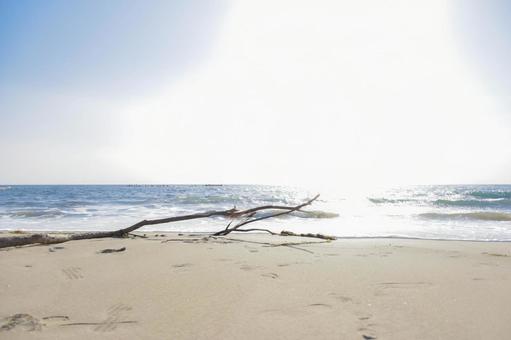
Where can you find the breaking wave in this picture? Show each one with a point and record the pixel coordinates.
(50, 213)
(491, 194)
(316, 214)
(479, 216)
(390, 200)
(483, 203)
(472, 203)
(36, 213)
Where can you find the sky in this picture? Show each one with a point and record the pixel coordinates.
(324, 93)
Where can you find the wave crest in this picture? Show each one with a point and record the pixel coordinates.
(491, 194)
(37, 213)
(499, 203)
(316, 214)
(390, 200)
(480, 216)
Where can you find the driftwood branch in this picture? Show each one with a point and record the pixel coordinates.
(288, 210)
(48, 239)
(247, 217)
(321, 236)
(258, 229)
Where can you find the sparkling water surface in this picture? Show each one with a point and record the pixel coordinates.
(470, 212)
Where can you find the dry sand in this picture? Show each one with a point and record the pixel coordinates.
(240, 287)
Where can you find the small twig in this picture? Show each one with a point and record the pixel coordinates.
(185, 240)
(110, 250)
(65, 317)
(321, 236)
(257, 229)
(96, 323)
(136, 235)
(229, 224)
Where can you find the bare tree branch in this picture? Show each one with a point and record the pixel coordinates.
(246, 215)
(288, 211)
(258, 229)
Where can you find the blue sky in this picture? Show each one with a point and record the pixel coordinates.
(282, 92)
(485, 37)
(122, 47)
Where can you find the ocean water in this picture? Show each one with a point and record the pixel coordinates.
(471, 212)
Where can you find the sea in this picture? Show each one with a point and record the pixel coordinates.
(450, 212)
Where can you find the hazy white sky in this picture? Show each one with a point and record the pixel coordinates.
(278, 92)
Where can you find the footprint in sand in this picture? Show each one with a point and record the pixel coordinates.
(118, 308)
(495, 254)
(73, 273)
(110, 323)
(367, 328)
(29, 323)
(25, 322)
(386, 285)
(324, 305)
(271, 275)
(247, 267)
(341, 298)
(251, 249)
(182, 265)
(114, 314)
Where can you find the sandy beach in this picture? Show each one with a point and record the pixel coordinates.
(256, 286)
